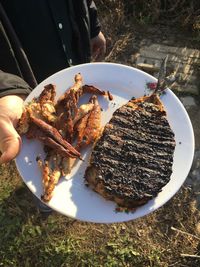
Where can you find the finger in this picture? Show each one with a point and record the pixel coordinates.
(99, 54)
(10, 150)
(10, 143)
(95, 54)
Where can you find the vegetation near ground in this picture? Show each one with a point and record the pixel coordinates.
(168, 237)
(163, 238)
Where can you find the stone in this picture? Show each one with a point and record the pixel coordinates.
(150, 68)
(188, 101)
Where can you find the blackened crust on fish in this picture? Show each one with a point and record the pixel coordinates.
(132, 160)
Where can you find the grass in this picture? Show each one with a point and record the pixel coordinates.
(159, 239)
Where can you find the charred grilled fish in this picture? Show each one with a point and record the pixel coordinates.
(132, 160)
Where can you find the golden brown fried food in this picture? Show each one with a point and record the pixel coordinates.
(59, 125)
(53, 133)
(50, 176)
(82, 111)
(90, 125)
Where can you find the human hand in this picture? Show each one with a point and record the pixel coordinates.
(11, 108)
(98, 46)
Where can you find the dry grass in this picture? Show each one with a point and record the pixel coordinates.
(182, 12)
(125, 16)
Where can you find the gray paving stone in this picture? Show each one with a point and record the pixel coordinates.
(188, 101)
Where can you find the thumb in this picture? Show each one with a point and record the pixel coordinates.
(10, 142)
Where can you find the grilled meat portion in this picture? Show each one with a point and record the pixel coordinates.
(132, 160)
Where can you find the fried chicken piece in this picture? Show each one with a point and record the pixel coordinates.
(67, 164)
(63, 100)
(41, 107)
(53, 133)
(48, 141)
(50, 176)
(46, 101)
(54, 178)
(45, 171)
(82, 111)
(47, 95)
(66, 108)
(48, 111)
(64, 124)
(88, 130)
(90, 125)
(94, 90)
(23, 123)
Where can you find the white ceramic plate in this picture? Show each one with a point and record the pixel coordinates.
(71, 197)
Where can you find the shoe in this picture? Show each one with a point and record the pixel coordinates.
(42, 208)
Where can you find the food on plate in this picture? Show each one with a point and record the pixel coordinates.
(132, 157)
(132, 160)
(87, 130)
(52, 138)
(67, 106)
(89, 127)
(51, 173)
(63, 126)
